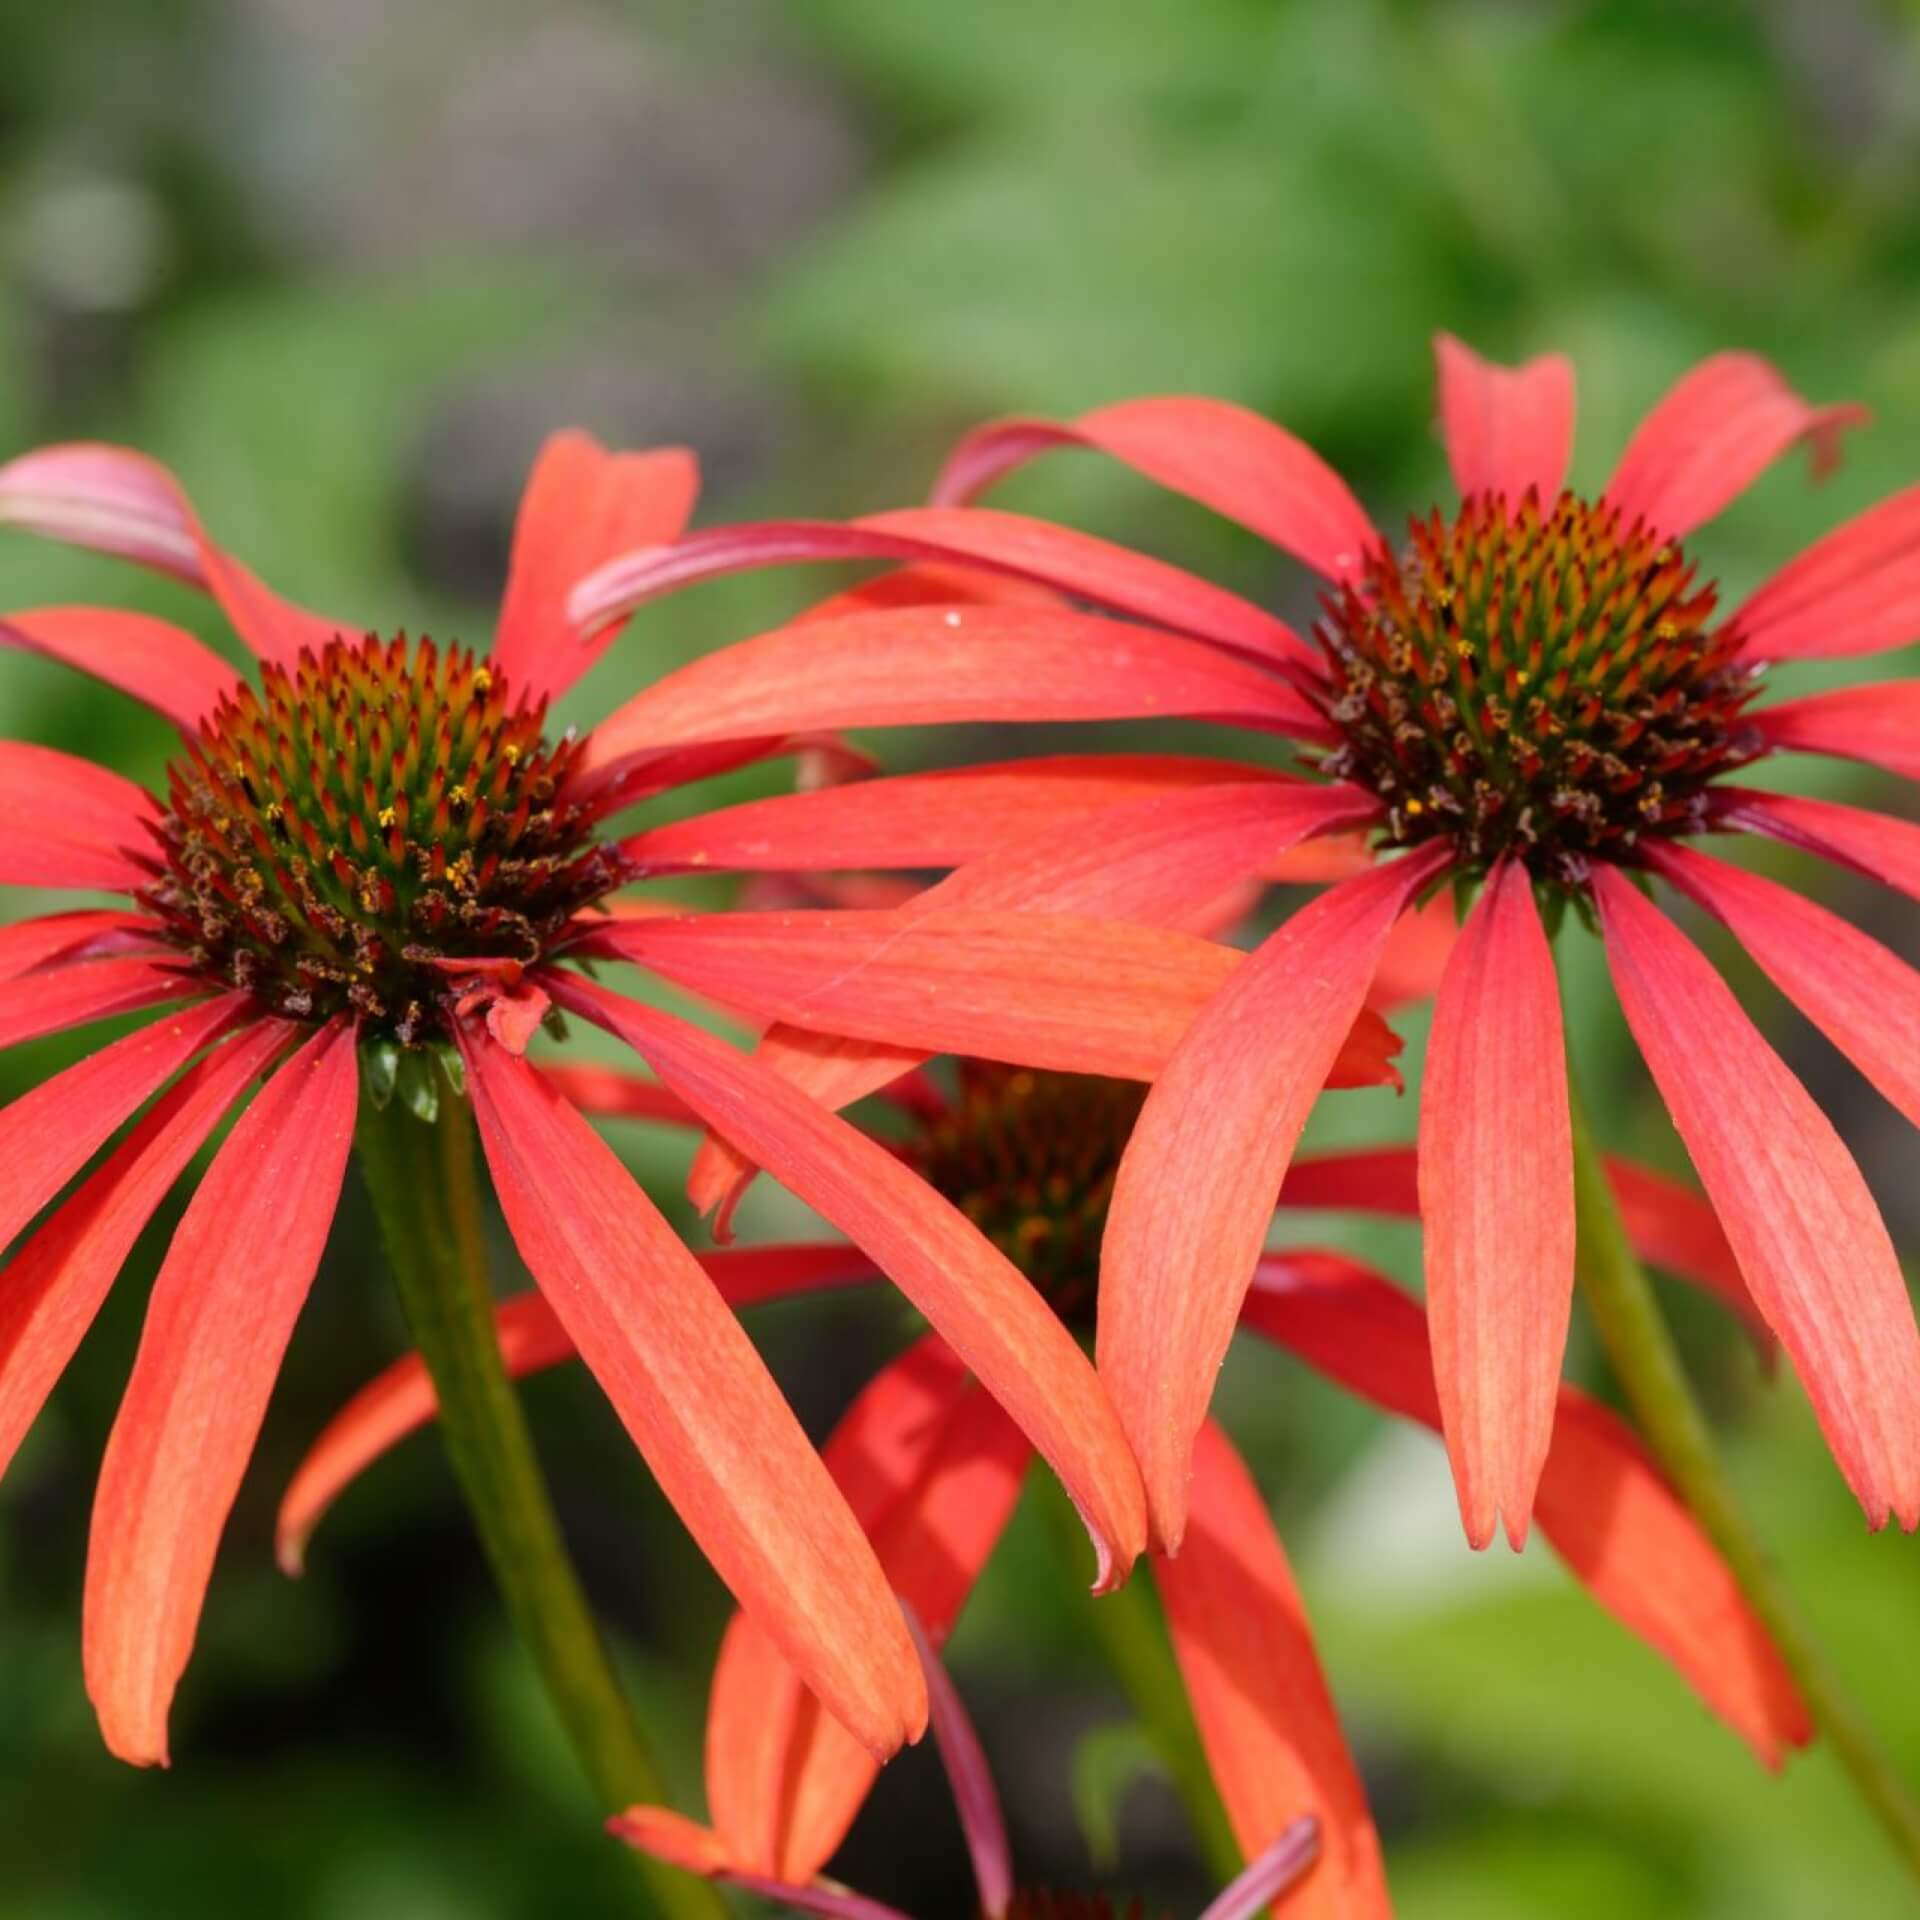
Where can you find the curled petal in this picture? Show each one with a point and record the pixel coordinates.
(1221, 455)
(1797, 1213)
(1712, 435)
(1509, 430)
(159, 664)
(1880, 725)
(1856, 591)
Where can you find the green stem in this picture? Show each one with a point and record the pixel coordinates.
(423, 1178)
(1132, 1638)
(1648, 1367)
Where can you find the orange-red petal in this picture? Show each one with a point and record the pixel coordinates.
(1877, 724)
(1855, 591)
(1509, 430)
(162, 665)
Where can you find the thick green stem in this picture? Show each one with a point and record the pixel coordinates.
(1648, 1366)
(1131, 1636)
(423, 1178)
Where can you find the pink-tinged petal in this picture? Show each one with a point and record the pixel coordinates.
(1222, 455)
(582, 506)
(1267, 1721)
(1075, 563)
(1797, 1213)
(50, 1133)
(116, 501)
(697, 1400)
(1855, 591)
(62, 939)
(65, 822)
(1509, 430)
(990, 1316)
(221, 1315)
(1269, 1875)
(924, 666)
(932, 586)
(1880, 725)
(1602, 1504)
(42, 1003)
(1670, 1226)
(943, 819)
(974, 1798)
(1496, 1197)
(1195, 1191)
(55, 1284)
(609, 1092)
(932, 1469)
(1875, 844)
(156, 662)
(1713, 433)
(1865, 999)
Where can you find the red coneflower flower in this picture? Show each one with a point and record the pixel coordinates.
(1533, 697)
(375, 859)
(932, 1468)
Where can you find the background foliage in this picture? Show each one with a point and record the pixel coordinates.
(342, 265)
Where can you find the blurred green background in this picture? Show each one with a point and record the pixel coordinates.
(342, 266)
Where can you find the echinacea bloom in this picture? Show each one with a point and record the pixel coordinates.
(372, 860)
(932, 1468)
(1277, 1870)
(1535, 697)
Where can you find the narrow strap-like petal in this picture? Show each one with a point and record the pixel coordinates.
(1509, 430)
(159, 664)
(1876, 844)
(1269, 1875)
(1713, 433)
(221, 1315)
(1877, 724)
(1222, 455)
(697, 1400)
(42, 1003)
(1602, 1504)
(65, 822)
(1855, 591)
(582, 506)
(1496, 1199)
(113, 500)
(1797, 1213)
(63, 939)
(924, 666)
(974, 1798)
(1260, 1700)
(1195, 1191)
(1076, 563)
(972, 1294)
(932, 1469)
(942, 819)
(50, 1133)
(401, 1400)
(1862, 996)
(54, 1285)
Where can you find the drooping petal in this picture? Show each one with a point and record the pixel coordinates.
(943, 819)
(608, 1091)
(50, 1133)
(1496, 1199)
(1076, 563)
(1881, 847)
(1713, 433)
(401, 1400)
(990, 1316)
(582, 506)
(925, 666)
(160, 664)
(65, 822)
(1855, 591)
(54, 1286)
(1797, 1213)
(1260, 1700)
(1196, 1187)
(1222, 455)
(63, 939)
(1602, 1504)
(1508, 429)
(221, 1315)
(42, 1003)
(113, 500)
(697, 1400)
(1880, 725)
(932, 1468)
